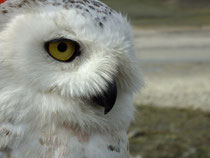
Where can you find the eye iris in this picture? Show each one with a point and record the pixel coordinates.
(62, 47)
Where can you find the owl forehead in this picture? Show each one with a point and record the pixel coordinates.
(89, 15)
(96, 9)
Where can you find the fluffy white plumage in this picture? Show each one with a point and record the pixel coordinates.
(46, 106)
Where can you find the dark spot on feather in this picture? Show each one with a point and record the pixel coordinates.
(4, 11)
(113, 148)
(101, 24)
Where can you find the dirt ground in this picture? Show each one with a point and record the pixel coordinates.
(170, 133)
(176, 66)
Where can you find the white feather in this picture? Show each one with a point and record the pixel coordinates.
(43, 113)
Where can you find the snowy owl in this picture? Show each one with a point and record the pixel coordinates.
(67, 76)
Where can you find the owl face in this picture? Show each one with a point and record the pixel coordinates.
(79, 54)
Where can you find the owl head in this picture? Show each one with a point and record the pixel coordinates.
(80, 50)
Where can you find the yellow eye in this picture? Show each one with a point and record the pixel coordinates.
(62, 50)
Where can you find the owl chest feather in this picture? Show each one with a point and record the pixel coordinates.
(66, 143)
(39, 136)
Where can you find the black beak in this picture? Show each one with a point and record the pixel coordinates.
(108, 98)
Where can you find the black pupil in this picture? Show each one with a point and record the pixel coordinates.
(62, 47)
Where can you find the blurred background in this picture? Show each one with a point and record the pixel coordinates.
(172, 39)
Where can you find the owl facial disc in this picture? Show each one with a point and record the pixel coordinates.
(108, 98)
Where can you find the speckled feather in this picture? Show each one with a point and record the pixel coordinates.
(99, 11)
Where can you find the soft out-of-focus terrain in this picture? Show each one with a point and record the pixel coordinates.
(170, 133)
(176, 64)
(172, 39)
(170, 13)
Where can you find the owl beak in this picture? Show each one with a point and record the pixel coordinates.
(108, 98)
